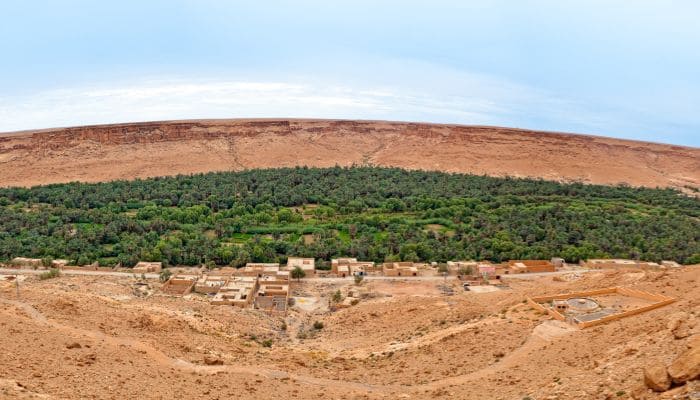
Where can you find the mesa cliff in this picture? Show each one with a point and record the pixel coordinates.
(139, 150)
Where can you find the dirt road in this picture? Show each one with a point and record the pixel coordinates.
(14, 271)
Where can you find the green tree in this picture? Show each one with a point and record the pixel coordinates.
(337, 297)
(298, 273)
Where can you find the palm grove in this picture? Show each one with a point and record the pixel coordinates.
(377, 214)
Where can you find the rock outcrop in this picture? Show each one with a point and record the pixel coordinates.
(213, 360)
(686, 367)
(682, 325)
(656, 378)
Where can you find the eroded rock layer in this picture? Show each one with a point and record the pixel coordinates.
(126, 151)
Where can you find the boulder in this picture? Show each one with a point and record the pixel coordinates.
(213, 360)
(656, 378)
(686, 366)
(681, 324)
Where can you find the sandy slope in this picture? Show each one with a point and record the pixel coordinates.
(95, 337)
(107, 152)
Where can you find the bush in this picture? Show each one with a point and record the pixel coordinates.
(266, 343)
(359, 279)
(318, 325)
(466, 270)
(52, 273)
(298, 273)
(165, 275)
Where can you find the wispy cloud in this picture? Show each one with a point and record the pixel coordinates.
(396, 91)
(434, 96)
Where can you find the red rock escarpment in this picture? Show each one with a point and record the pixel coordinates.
(126, 151)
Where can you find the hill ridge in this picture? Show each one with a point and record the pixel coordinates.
(144, 149)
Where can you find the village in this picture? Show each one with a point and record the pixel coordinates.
(267, 286)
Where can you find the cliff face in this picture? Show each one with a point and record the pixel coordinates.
(126, 151)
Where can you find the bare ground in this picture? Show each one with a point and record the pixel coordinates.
(96, 337)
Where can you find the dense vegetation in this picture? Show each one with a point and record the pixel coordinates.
(372, 213)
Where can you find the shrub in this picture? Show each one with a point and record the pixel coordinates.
(298, 273)
(466, 270)
(318, 325)
(266, 343)
(359, 279)
(52, 273)
(165, 275)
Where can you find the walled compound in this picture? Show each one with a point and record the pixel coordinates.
(595, 307)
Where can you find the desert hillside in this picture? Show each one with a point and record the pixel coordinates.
(117, 336)
(124, 151)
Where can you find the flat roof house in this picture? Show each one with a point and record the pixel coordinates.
(211, 283)
(258, 269)
(530, 266)
(280, 278)
(462, 267)
(238, 292)
(308, 265)
(26, 263)
(405, 268)
(350, 266)
(272, 297)
(143, 267)
(362, 268)
(180, 284)
(60, 264)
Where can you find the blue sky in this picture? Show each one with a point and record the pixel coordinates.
(627, 69)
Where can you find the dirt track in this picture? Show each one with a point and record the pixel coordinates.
(127, 151)
(94, 337)
(534, 341)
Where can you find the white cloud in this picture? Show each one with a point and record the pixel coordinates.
(396, 91)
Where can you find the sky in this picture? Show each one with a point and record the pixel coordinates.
(628, 69)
